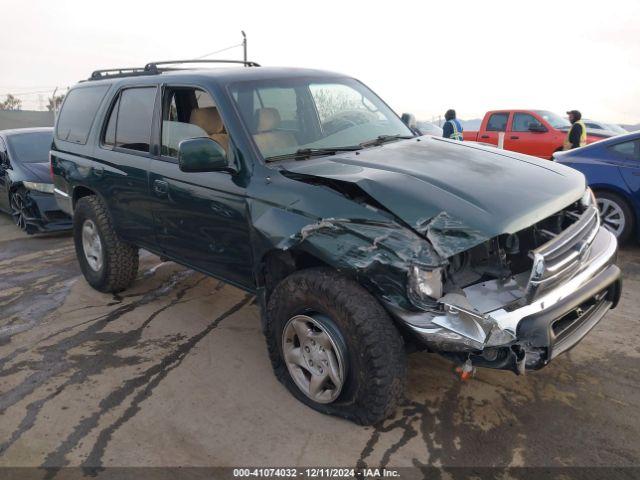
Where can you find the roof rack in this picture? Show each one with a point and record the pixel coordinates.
(151, 68)
(118, 72)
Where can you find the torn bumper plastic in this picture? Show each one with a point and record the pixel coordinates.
(518, 336)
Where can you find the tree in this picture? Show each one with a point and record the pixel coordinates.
(11, 103)
(54, 102)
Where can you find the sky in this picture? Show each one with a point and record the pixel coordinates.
(420, 57)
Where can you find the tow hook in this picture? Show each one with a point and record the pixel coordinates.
(466, 371)
(519, 359)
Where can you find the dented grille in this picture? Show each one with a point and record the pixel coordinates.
(564, 255)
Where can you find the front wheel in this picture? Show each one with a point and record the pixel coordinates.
(108, 264)
(20, 211)
(615, 215)
(334, 346)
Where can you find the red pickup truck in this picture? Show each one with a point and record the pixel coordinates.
(535, 132)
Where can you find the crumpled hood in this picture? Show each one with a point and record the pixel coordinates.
(456, 194)
(37, 172)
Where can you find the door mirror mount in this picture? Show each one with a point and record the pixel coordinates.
(202, 154)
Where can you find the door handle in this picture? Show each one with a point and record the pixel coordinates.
(98, 171)
(484, 136)
(514, 137)
(160, 187)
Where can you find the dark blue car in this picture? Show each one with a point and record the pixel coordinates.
(612, 168)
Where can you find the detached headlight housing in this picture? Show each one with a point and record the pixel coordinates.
(588, 198)
(39, 187)
(424, 287)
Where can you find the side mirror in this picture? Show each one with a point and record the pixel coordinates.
(537, 127)
(409, 120)
(201, 155)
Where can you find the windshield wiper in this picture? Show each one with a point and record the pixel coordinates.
(303, 153)
(381, 139)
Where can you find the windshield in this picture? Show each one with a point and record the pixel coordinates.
(555, 120)
(30, 147)
(288, 115)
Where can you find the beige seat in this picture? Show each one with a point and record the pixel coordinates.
(209, 120)
(269, 140)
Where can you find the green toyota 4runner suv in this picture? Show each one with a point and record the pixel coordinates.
(361, 240)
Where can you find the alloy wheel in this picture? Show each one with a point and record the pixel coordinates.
(313, 357)
(19, 211)
(611, 216)
(92, 245)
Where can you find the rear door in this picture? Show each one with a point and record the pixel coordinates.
(124, 155)
(200, 218)
(496, 124)
(627, 157)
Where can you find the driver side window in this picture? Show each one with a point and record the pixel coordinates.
(190, 113)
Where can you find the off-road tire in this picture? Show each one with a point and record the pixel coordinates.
(376, 359)
(120, 260)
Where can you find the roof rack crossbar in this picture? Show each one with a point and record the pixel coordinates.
(118, 72)
(153, 66)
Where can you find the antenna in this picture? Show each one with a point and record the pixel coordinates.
(244, 45)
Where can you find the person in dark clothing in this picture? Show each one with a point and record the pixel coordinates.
(452, 128)
(577, 134)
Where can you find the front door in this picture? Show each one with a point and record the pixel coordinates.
(527, 135)
(200, 218)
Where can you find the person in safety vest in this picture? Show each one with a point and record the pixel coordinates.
(452, 128)
(577, 134)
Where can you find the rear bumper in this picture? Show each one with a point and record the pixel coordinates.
(530, 336)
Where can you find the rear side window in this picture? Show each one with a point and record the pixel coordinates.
(497, 122)
(629, 150)
(79, 109)
(129, 123)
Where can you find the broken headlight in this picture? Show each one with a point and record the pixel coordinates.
(424, 287)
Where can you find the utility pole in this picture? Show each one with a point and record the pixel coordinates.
(244, 45)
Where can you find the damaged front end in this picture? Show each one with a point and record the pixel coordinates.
(518, 300)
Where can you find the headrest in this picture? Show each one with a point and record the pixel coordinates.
(268, 119)
(208, 119)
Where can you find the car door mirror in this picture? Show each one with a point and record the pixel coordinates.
(409, 120)
(537, 127)
(201, 155)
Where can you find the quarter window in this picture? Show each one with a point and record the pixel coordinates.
(78, 110)
(497, 122)
(628, 149)
(129, 124)
(523, 121)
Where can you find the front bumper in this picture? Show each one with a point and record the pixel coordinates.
(531, 335)
(45, 214)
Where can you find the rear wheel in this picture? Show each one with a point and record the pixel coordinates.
(615, 215)
(334, 346)
(108, 264)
